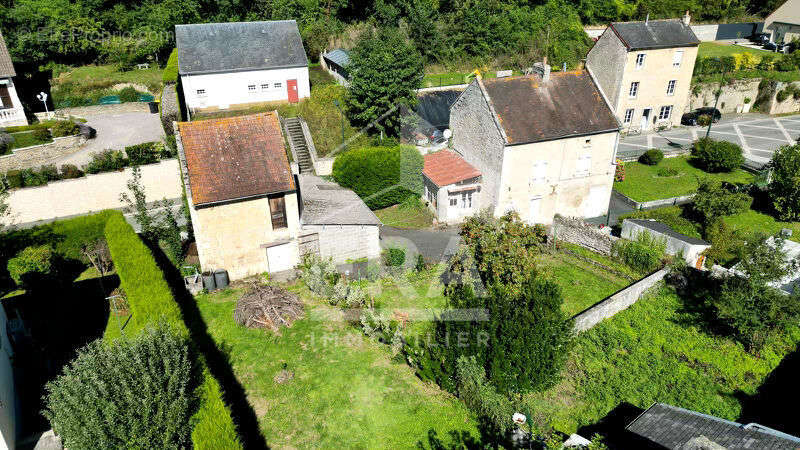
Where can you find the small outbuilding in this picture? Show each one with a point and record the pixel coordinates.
(336, 62)
(452, 186)
(690, 247)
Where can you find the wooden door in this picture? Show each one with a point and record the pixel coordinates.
(291, 85)
(5, 97)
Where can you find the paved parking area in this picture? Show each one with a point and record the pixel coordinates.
(758, 135)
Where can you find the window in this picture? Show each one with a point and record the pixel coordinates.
(677, 57)
(634, 89)
(277, 210)
(251, 88)
(587, 143)
(671, 87)
(201, 92)
(628, 115)
(277, 85)
(640, 60)
(665, 112)
(583, 165)
(264, 86)
(453, 201)
(539, 172)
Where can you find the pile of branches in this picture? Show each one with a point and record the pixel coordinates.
(264, 306)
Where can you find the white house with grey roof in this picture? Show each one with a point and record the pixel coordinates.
(239, 65)
(677, 244)
(11, 112)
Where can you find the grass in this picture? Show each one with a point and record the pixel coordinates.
(654, 351)
(24, 139)
(405, 216)
(756, 221)
(453, 78)
(715, 50)
(642, 182)
(347, 391)
(85, 84)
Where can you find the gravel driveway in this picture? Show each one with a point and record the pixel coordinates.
(117, 131)
(435, 246)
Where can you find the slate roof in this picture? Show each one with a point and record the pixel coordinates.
(239, 46)
(6, 66)
(446, 167)
(671, 427)
(339, 56)
(667, 231)
(235, 158)
(327, 203)
(532, 110)
(655, 34)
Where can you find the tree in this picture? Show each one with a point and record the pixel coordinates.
(386, 71)
(137, 204)
(381, 176)
(712, 201)
(747, 303)
(133, 393)
(717, 156)
(33, 267)
(784, 189)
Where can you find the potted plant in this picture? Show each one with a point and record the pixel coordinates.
(748, 103)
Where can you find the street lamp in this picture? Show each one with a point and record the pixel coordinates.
(336, 104)
(42, 96)
(719, 94)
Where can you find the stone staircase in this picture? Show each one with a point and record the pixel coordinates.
(297, 141)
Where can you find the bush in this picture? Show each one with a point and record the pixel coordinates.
(712, 201)
(106, 161)
(65, 128)
(480, 396)
(381, 327)
(32, 178)
(619, 171)
(14, 179)
(70, 171)
(717, 156)
(170, 74)
(784, 188)
(394, 257)
(644, 254)
(128, 95)
(32, 266)
(169, 147)
(41, 135)
(141, 154)
(704, 120)
(667, 172)
(381, 176)
(49, 172)
(6, 141)
(320, 275)
(136, 392)
(651, 157)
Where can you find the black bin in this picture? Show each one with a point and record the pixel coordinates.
(208, 281)
(153, 107)
(221, 278)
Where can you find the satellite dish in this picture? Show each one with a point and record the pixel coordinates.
(447, 133)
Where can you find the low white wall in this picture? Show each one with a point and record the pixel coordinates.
(691, 252)
(346, 242)
(91, 193)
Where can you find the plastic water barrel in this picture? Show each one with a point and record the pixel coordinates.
(221, 278)
(208, 281)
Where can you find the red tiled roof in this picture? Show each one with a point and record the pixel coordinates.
(235, 158)
(446, 167)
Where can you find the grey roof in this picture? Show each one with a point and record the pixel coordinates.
(327, 203)
(655, 34)
(339, 56)
(677, 428)
(6, 66)
(239, 46)
(667, 231)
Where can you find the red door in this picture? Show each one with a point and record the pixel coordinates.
(292, 86)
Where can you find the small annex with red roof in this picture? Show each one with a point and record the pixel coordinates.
(452, 185)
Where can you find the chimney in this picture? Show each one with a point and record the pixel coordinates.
(687, 19)
(542, 69)
(647, 19)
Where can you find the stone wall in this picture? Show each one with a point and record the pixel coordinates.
(606, 62)
(170, 111)
(37, 155)
(671, 201)
(790, 105)
(616, 302)
(346, 242)
(578, 232)
(94, 110)
(732, 98)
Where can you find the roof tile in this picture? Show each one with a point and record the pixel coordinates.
(446, 167)
(6, 66)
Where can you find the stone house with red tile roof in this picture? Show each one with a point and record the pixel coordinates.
(542, 144)
(452, 185)
(11, 112)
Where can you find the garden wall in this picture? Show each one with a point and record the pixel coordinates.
(37, 155)
(616, 302)
(671, 201)
(578, 232)
(790, 105)
(91, 193)
(732, 97)
(94, 110)
(170, 111)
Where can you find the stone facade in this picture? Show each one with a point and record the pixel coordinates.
(170, 110)
(346, 242)
(732, 98)
(605, 62)
(38, 155)
(578, 232)
(789, 105)
(616, 303)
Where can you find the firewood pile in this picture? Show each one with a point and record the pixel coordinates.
(270, 307)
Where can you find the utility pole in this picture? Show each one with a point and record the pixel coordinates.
(719, 94)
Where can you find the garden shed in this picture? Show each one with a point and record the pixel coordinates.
(336, 62)
(677, 243)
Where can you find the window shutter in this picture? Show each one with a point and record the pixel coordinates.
(277, 209)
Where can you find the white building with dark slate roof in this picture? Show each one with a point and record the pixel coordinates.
(240, 65)
(11, 112)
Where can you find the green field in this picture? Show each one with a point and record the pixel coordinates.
(26, 139)
(453, 78)
(642, 182)
(85, 85)
(403, 216)
(715, 50)
(755, 221)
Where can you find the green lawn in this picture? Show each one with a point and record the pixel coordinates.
(653, 352)
(26, 139)
(404, 216)
(752, 221)
(714, 50)
(452, 78)
(347, 391)
(87, 84)
(642, 182)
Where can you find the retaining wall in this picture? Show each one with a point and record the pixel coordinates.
(790, 105)
(578, 232)
(80, 111)
(37, 155)
(731, 99)
(616, 302)
(671, 201)
(170, 111)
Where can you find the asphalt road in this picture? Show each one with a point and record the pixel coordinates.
(758, 135)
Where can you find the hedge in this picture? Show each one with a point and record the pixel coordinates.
(381, 176)
(149, 298)
(170, 74)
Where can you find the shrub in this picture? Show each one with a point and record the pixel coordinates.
(14, 179)
(381, 176)
(394, 257)
(480, 396)
(651, 157)
(643, 254)
(106, 161)
(49, 172)
(726, 243)
(6, 141)
(712, 201)
(32, 266)
(766, 62)
(169, 147)
(381, 327)
(420, 266)
(32, 178)
(70, 171)
(170, 74)
(144, 386)
(619, 171)
(672, 216)
(717, 156)
(140, 154)
(667, 172)
(320, 275)
(784, 188)
(704, 120)
(128, 95)
(41, 135)
(782, 95)
(65, 128)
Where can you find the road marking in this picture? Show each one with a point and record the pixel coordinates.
(741, 138)
(694, 133)
(758, 126)
(785, 133)
(742, 135)
(669, 138)
(650, 140)
(634, 145)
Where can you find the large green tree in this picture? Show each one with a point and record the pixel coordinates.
(386, 71)
(784, 189)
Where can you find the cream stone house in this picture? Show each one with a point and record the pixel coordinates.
(644, 69)
(784, 23)
(11, 112)
(539, 145)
